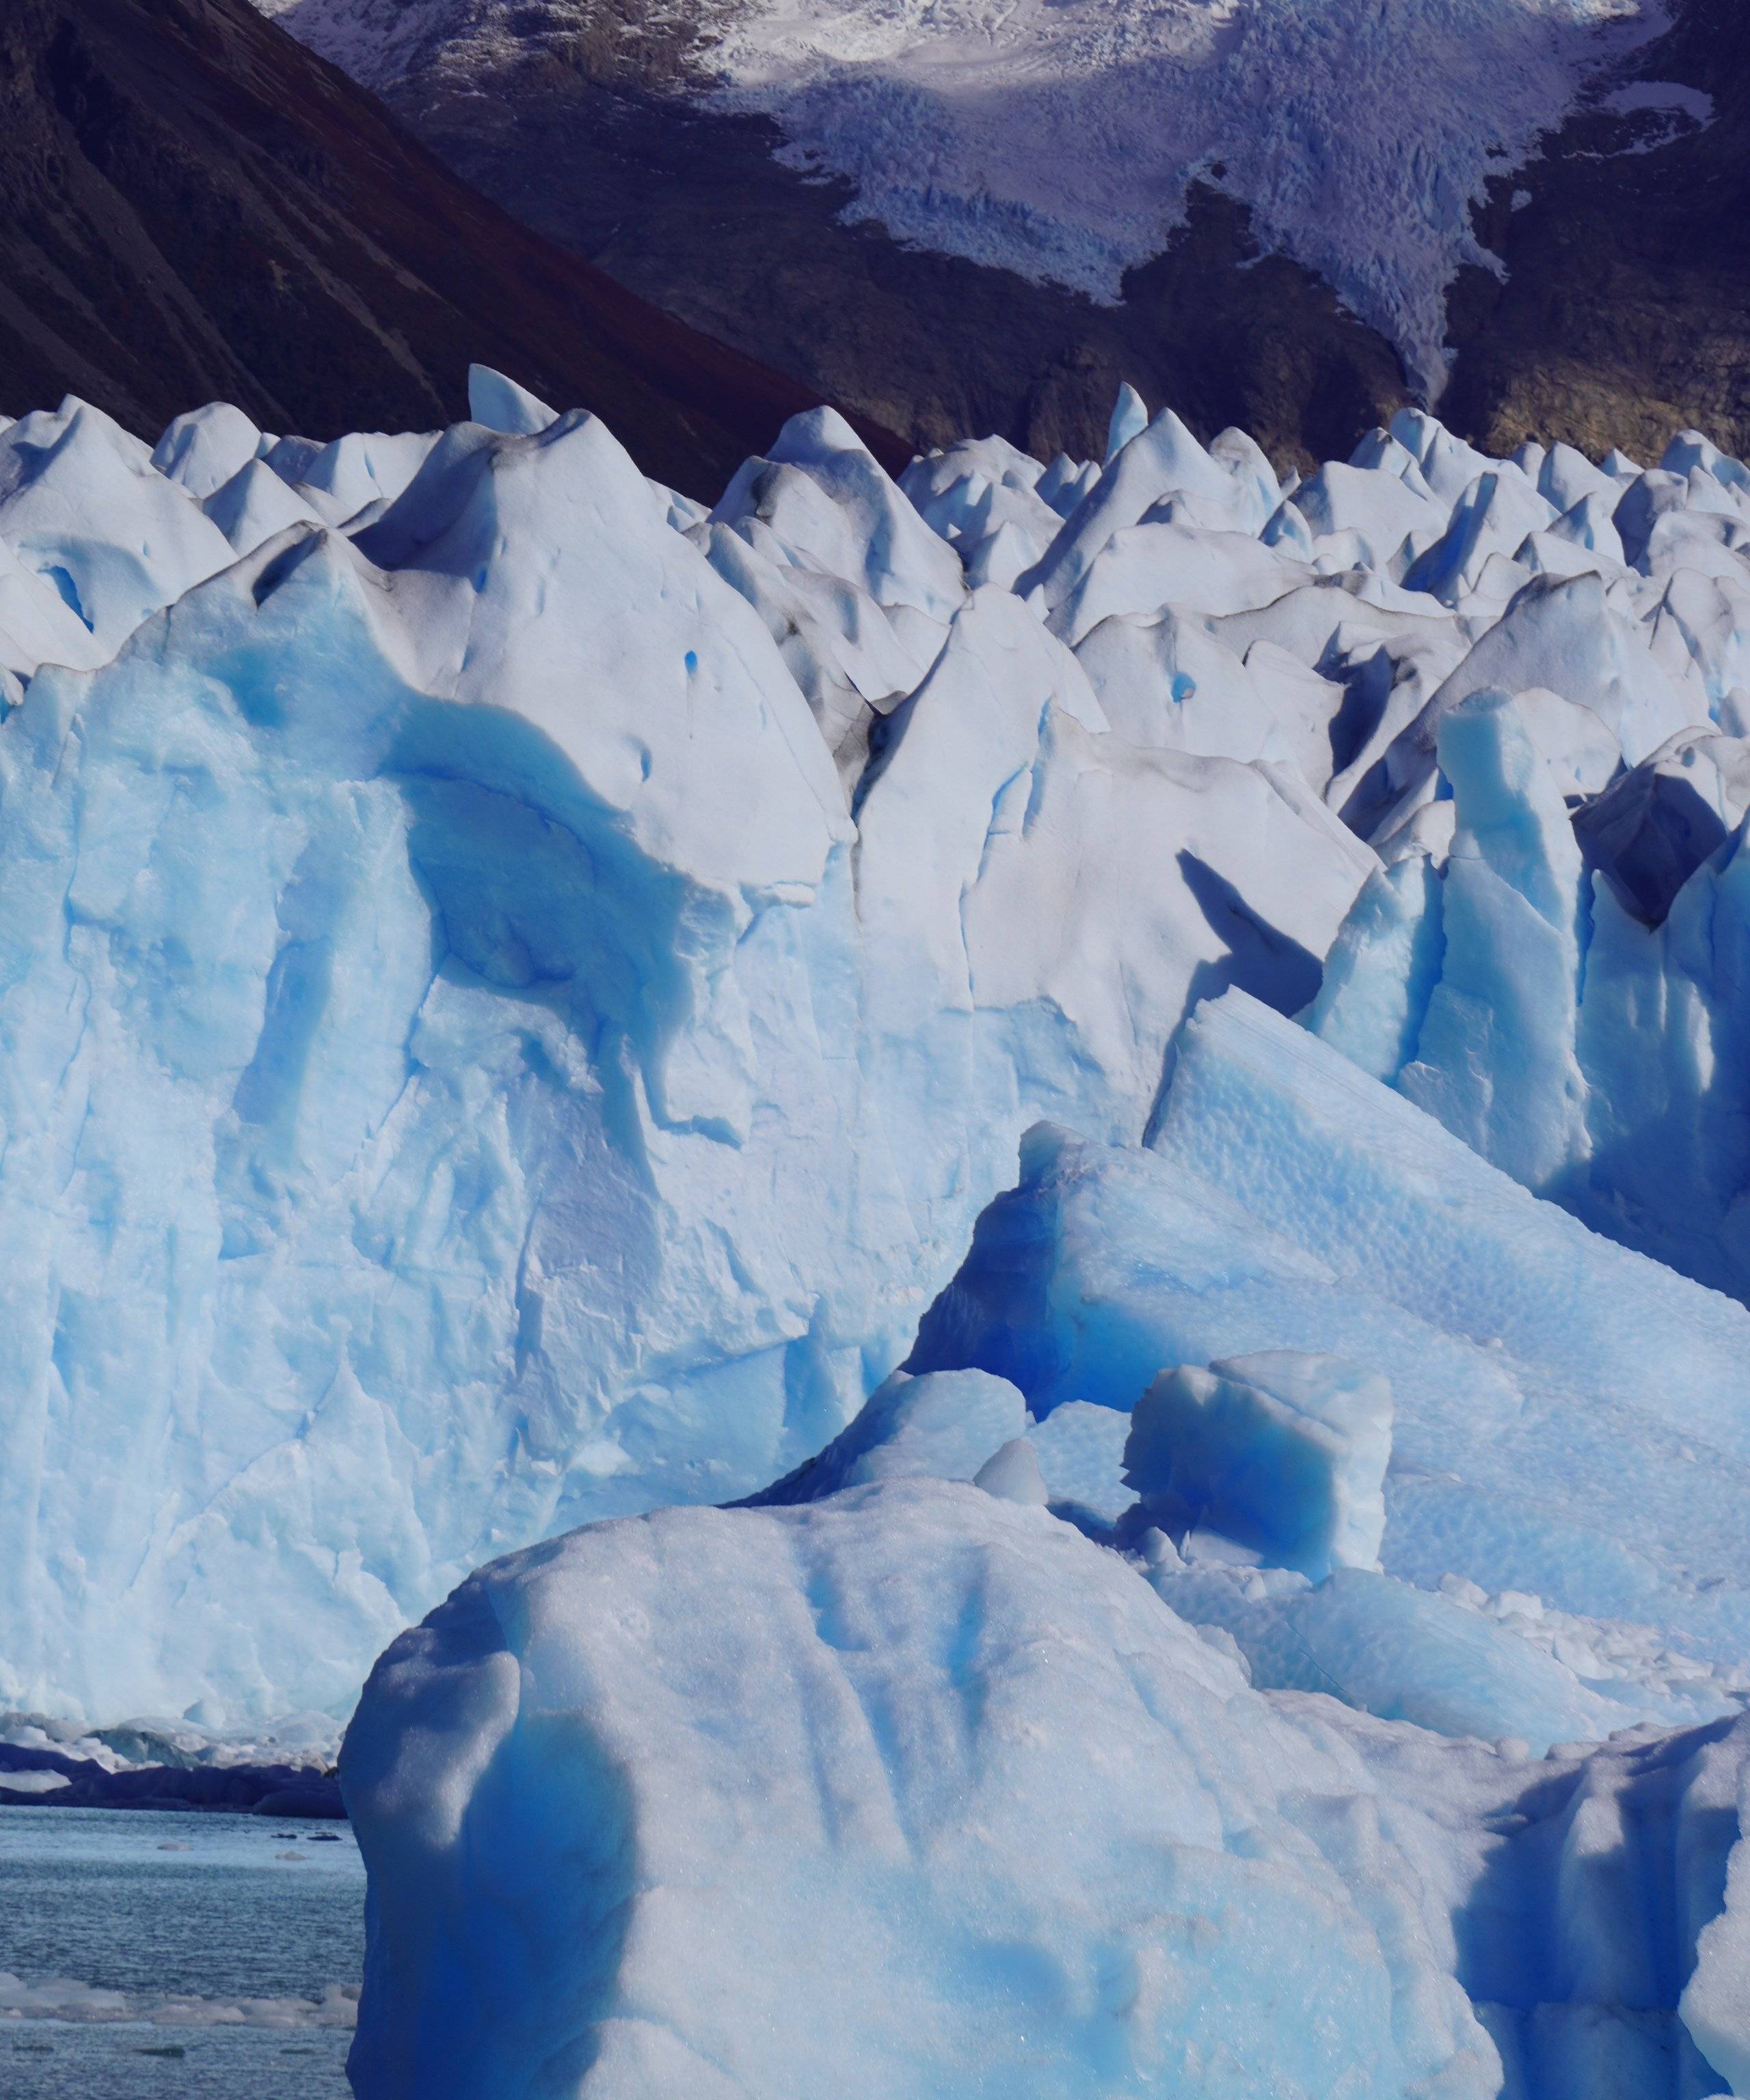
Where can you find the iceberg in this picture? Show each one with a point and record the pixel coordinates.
(914, 1791)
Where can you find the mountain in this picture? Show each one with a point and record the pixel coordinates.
(1289, 217)
(1622, 309)
(192, 205)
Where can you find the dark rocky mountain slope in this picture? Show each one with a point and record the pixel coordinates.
(193, 206)
(1625, 310)
(587, 140)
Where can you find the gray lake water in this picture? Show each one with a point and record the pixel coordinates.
(151, 1905)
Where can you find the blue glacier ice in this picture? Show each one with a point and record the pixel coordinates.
(1541, 1442)
(916, 1790)
(471, 1064)
(1134, 1066)
(1280, 1452)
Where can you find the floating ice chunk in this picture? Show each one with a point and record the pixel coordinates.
(64, 1998)
(1283, 1453)
(841, 1787)
(501, 404)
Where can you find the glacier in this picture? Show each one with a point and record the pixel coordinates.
(1027, 1182)
(467, 1069)
(1060, 141)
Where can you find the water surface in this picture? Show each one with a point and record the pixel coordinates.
(219, 1907)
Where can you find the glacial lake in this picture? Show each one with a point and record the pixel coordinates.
(215, 1908)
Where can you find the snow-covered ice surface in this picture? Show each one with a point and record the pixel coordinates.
(198, 1957)
(1057, 138)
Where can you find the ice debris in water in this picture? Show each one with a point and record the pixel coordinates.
(62, 1998)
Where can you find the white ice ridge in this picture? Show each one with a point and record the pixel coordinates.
(1057, 138)
(515, 991)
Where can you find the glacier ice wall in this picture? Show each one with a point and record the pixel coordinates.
(465, 1070)
(514, 990)
(1555, 971)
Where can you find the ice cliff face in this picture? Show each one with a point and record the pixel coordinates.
(516, 992)
(467, 1070)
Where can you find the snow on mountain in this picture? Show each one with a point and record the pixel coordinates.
(1057, 140)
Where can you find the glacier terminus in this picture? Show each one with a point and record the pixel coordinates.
(983, 1239)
